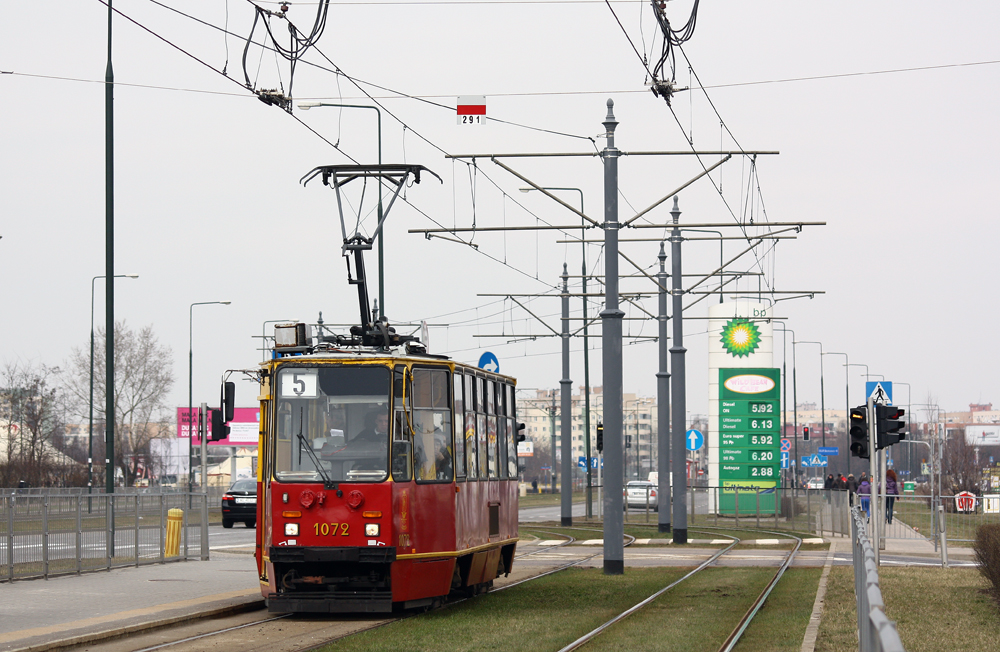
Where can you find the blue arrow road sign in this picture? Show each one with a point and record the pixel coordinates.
(805, 461)
(784, 460)
(489, 362)
(694, 439)
(829, 450)
(879, 391)
(817, 460)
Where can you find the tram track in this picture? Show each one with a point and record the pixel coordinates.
(744, 622)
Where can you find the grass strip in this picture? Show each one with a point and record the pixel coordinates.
(940, 608)
(781, 623)
(545, 614)
(551, 612)
(696, 615)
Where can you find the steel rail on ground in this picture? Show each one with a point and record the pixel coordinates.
(625, 614)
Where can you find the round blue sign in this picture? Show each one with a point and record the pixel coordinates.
(693, 439)
(489, 362)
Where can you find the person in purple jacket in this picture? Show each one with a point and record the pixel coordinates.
(891, 491)
(865, 494)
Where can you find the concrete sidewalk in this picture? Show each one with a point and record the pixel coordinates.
(41, 615)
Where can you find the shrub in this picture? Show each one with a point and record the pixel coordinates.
(987, 548)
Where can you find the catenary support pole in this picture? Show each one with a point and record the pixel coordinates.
(109, 285)
(678, 382)
(663, 403)
(566, 410)
(611, 353)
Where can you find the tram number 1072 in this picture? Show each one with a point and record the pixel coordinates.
(761, 471)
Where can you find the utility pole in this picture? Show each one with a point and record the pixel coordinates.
(679, 403)
(663, 403)
(611, 353)
(566, 390)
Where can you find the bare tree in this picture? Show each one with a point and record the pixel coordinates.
(960, 468)
(143, 379)
(32, 414)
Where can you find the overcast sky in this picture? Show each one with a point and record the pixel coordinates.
(901, 166)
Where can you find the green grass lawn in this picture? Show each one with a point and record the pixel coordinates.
(934, 609)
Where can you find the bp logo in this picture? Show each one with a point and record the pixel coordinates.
(740, 337)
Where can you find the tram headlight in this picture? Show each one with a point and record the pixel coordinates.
(371, 529)
(291, 529)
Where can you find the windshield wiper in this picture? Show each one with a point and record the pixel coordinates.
(327, 482)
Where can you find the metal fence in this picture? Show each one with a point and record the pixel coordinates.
(876, 633)
(823, 511)
(46, 533)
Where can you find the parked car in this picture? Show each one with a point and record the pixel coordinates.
(635, 494)
(240, 504)
(814, 483)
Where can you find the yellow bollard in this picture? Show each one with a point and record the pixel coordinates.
(175, 517)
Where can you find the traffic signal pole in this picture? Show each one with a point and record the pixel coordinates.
(872, 468)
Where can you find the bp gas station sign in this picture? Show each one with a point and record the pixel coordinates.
(749, 438)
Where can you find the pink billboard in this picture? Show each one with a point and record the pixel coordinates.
(244, 429)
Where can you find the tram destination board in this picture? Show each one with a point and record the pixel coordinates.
(749, 438)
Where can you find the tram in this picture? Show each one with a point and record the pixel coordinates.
(387, 476)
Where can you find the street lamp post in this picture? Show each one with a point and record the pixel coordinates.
(305, 106)
(90, 423)
(191, 389)
(586, 349)
(795, 404)
(847, 407)
(822, 397)
(784, 389)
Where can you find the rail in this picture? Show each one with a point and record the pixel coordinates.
(876, 633)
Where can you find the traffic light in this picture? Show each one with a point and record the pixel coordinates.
(888, 425)
(805, 433)
(219, 428)
(600, 437)
(859, 432)
(628, 441)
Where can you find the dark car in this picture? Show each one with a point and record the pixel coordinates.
(240, 504)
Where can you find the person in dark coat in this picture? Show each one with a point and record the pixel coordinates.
(852, 488)
(828, 483)
(865, 494)
(891, 491)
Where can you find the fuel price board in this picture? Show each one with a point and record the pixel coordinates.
(749, 436)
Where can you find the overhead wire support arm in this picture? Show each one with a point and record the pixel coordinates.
(545, 192)
(674, 192)
(724, 152)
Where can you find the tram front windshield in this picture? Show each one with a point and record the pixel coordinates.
(332, 423)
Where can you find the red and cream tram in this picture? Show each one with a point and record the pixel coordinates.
(387, 476)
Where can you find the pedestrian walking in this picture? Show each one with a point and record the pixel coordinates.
(852, 488)
(891, 491)
(865, 494)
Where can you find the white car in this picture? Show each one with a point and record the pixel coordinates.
(636, 492)
(814, 483)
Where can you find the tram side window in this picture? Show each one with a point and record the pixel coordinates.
(471, 464)
(496, 443)
(500, 392)
(511, 433)
(487, 457)
(491, 420)
(432, 449)
(459, 427)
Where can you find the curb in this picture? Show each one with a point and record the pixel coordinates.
(253, 604)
